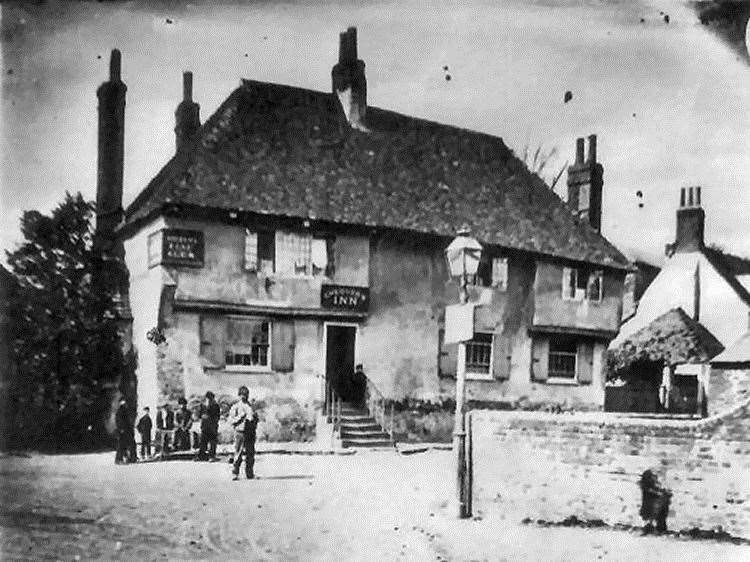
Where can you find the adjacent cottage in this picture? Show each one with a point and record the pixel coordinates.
(297, 233)
(696, 306)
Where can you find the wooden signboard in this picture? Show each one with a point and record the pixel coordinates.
(343, 297)
(178, 248)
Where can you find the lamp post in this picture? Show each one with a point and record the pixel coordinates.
(463, 255)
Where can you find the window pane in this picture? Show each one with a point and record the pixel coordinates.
(293, 253)
(562, 357)
(500, 273)
(248, 342)
(479, 354)
(251, 250)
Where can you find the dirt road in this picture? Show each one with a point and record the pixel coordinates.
(367, 506)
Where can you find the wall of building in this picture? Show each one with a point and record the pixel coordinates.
(409, 289)
(727, 388)
(145, 295)
(547, 466)
(551, 310)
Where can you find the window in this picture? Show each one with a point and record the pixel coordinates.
(578, 284)
(155, 242)
(479, 356)
(248, 343)
(492, 272)
(500, 273)
(594, 287)
(302, 254)
(259, 251)
(562, 358)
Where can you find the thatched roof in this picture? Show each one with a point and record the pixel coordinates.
(673, 338)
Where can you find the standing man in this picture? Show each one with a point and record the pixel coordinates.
(243, 418)
(183, 421)
(165, 426)
(122, 422)
(209, 416)
(144, 429)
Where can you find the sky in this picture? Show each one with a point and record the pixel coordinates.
(670, 102)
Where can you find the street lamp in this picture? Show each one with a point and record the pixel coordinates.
(463, 256)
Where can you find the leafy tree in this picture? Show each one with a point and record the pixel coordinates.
(66, 343)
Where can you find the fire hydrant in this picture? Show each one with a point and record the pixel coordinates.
(655, 500)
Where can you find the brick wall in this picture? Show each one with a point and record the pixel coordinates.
(551, 466)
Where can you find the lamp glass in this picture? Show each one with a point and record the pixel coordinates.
(463, 255)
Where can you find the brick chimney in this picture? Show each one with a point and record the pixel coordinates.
(349, 82)
(111, 146)
(187, 115)
(690, 221)
(585, 183)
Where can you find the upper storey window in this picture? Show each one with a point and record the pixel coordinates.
(288, 253)
(579, 284)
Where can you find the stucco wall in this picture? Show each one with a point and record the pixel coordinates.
(551, 310)
(727, 388)
(546, 466)
(145, 293)
(409, 288)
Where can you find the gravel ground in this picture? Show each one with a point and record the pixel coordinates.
(373, 505)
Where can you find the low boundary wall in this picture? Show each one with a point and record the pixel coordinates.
(552, 466)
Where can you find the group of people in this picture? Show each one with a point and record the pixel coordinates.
(184, 430)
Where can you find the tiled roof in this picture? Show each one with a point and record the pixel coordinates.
(286, 151)
(673, 337)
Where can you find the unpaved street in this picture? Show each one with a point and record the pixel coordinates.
(367, 506)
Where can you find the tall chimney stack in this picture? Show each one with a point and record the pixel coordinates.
(585, 184)
(691, 220)
(349, 81)
(187, 115)
(110, 156)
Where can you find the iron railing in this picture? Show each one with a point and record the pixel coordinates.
(380, 408)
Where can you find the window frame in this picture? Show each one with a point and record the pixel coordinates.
(231, 367)
(581, 293)
(552, 379)
(474, 375)
(309, 266)
(260, 257)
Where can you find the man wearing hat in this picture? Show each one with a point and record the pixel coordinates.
(243, 418)
(209, 415)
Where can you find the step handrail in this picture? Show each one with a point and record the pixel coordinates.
(380, 408)
(333, 408)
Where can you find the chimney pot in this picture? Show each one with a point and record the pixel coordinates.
(690, 197)
(579, 150)
(114, 66)
(187, 86)
(592, 148)
(698, 196)
(682, 197)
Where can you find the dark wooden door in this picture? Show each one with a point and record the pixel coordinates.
(340, 361)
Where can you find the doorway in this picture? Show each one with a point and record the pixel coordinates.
(340, 343)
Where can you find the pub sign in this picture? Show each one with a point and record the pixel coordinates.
(176, 247)
(343, 297)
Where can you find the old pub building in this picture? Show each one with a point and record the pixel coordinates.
(297, 233)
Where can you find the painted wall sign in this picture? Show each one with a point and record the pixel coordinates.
(178, 247)
(343, 297)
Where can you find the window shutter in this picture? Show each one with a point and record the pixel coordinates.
(213, 334)
(539, 359)
(585, 362)
(502, 348)
(282, 345)
(448, 356)
(568, 284)
(330, 253)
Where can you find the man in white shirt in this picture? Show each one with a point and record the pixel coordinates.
(243, 418)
